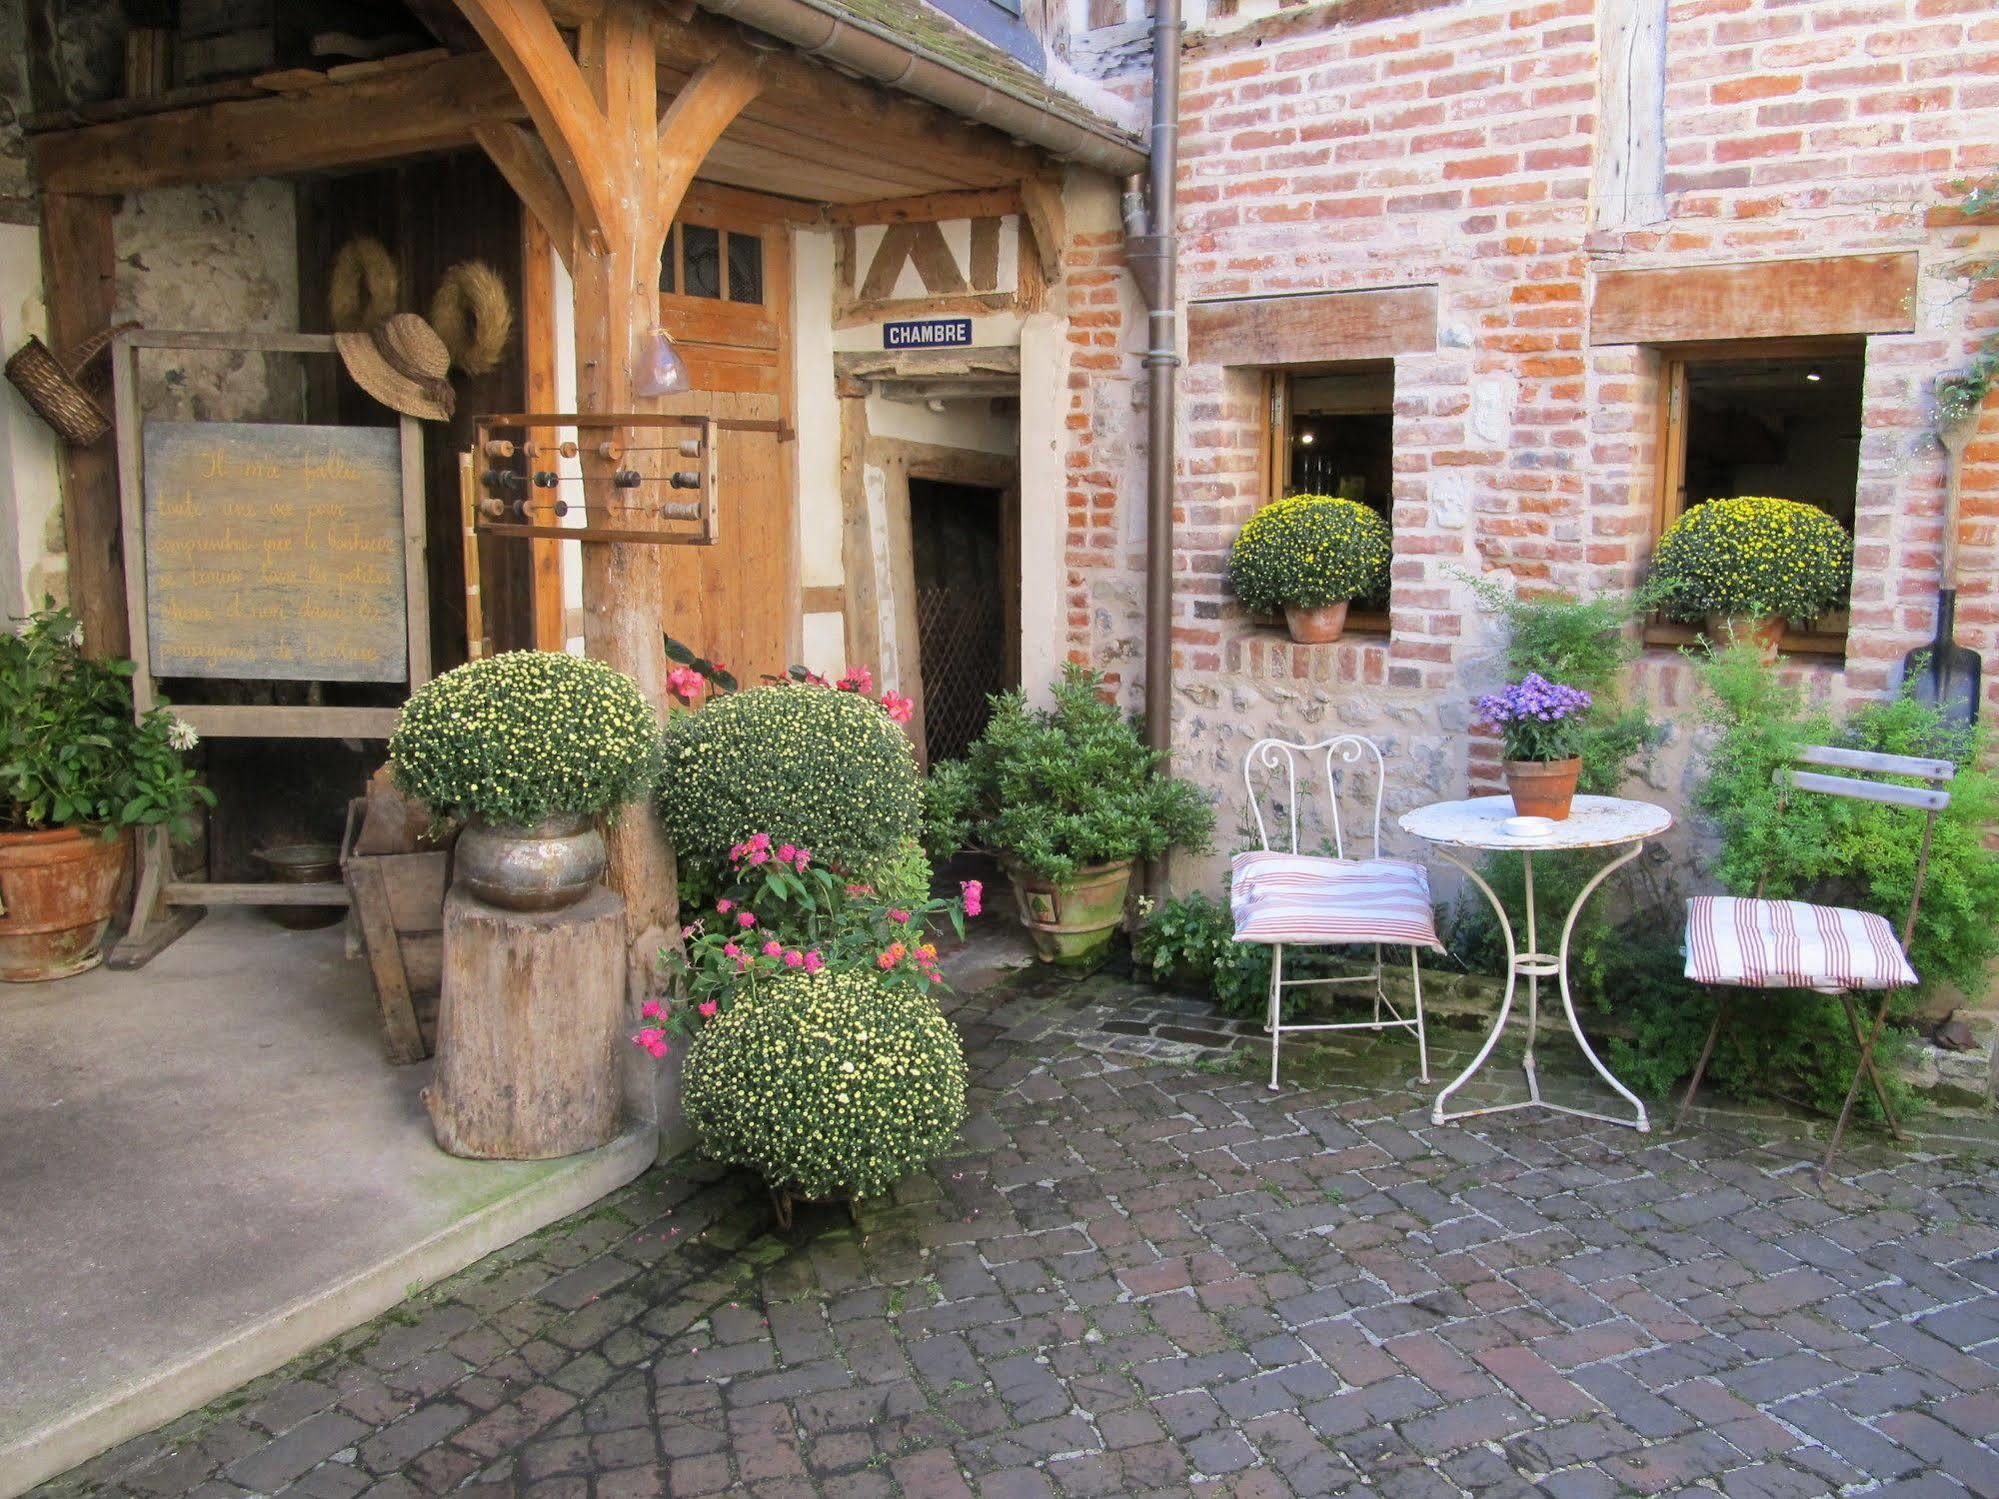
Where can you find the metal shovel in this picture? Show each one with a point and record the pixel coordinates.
(1943, 673)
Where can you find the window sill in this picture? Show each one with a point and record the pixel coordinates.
(1827, 644)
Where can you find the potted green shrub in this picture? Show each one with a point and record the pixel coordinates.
(1747, 565)
(1310, 556)
(1069, 798)
(77, 773)
(528, 748)
(832, 1085)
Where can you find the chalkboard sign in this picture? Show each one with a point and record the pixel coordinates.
(275, 551)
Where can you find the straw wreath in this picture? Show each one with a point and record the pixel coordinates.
(473, 315)
(364, 286)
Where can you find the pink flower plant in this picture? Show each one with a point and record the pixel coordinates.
(794, 959)
(707, 1008)
(686, 684)
(652, 1040)
(973, 893)
(813, 962)
(745, 919)
(725, 906)
(652, 1009)
(898, 916)
(898, 707)
(772, 949)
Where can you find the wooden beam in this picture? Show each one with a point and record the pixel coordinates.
(691, 125)
(524, 161)
(1843, 294)
(1041, 204)
(79, 265)
(538, 393)
(398, 114)
(1315, 328)
(522, 36)
(928, 208)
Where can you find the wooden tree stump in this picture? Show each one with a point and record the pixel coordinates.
(529, 1029)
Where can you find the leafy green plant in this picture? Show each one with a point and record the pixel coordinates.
(1191, 939)
(901, 879)
(1962, 392)
(526, 735)
(809, 765)
(1308, 551)
(784, 911)
(831, 1083)
(71, 753)
(1756, 557)
(1588, 643)
(1854, 853)
(1058, 790)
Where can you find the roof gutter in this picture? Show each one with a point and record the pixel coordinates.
(878, 53)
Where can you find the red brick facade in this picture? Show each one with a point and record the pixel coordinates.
(1453, 145)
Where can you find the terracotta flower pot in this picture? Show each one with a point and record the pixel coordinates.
(1320, 626)
(1542, 788)
(1765, 634)
(60, 890)
(1073, 922)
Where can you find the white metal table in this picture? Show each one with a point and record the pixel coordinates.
(1594, 822)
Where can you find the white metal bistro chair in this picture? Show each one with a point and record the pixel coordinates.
(1285, 898)
(1753, 943)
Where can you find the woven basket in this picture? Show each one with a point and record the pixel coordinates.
(55, 390)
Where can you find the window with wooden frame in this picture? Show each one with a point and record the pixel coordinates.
(1777, 417)
(1331, 430)
(716, 265)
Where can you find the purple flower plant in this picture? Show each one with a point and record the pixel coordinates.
(1538, 719)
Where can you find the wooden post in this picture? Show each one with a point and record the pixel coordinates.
(78, 284)
(530, 1029)
(622, 168)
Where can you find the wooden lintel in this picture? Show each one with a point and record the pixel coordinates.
(433, 108)
(1843, 294)
(524, 161)
(1315, 328)
(928, 208)
(1041, 203)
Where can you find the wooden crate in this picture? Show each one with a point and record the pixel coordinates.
(399, 908)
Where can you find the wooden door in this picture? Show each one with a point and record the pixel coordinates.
(725, 299)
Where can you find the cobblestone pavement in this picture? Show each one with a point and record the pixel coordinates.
(1146, 1275)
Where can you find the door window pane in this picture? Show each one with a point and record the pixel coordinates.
(746, 268)
(700, 261)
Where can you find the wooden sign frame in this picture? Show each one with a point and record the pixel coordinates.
(158, 890)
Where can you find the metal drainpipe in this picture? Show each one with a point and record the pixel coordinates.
(1153, 256)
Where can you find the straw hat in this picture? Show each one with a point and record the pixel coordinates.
(402, 363)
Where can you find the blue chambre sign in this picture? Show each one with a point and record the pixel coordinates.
(928, 333)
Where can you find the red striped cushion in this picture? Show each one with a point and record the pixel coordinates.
(1791, 944)
(1308, 899)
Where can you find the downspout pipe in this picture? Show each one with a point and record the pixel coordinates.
(1152, 250)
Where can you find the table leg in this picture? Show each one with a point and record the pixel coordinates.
(1641, 1123)
(1437, 1114)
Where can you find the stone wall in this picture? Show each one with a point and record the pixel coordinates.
(1454, 144)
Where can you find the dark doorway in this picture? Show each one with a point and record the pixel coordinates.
(957, 537)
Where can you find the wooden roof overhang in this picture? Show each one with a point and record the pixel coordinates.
(810, 133)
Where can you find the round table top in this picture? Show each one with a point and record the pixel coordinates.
(1593, 822)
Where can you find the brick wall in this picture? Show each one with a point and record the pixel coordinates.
(1453, 144)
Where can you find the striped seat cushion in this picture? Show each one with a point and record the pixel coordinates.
(1791, 944)
(1309, 899)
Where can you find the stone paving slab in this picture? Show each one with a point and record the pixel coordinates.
(1144, 1274)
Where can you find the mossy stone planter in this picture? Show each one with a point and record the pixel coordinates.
(1074, 921)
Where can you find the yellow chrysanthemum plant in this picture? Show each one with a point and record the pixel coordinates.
(1753, 557)
(833, 1084)
(1309, 551)
(524, 736)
